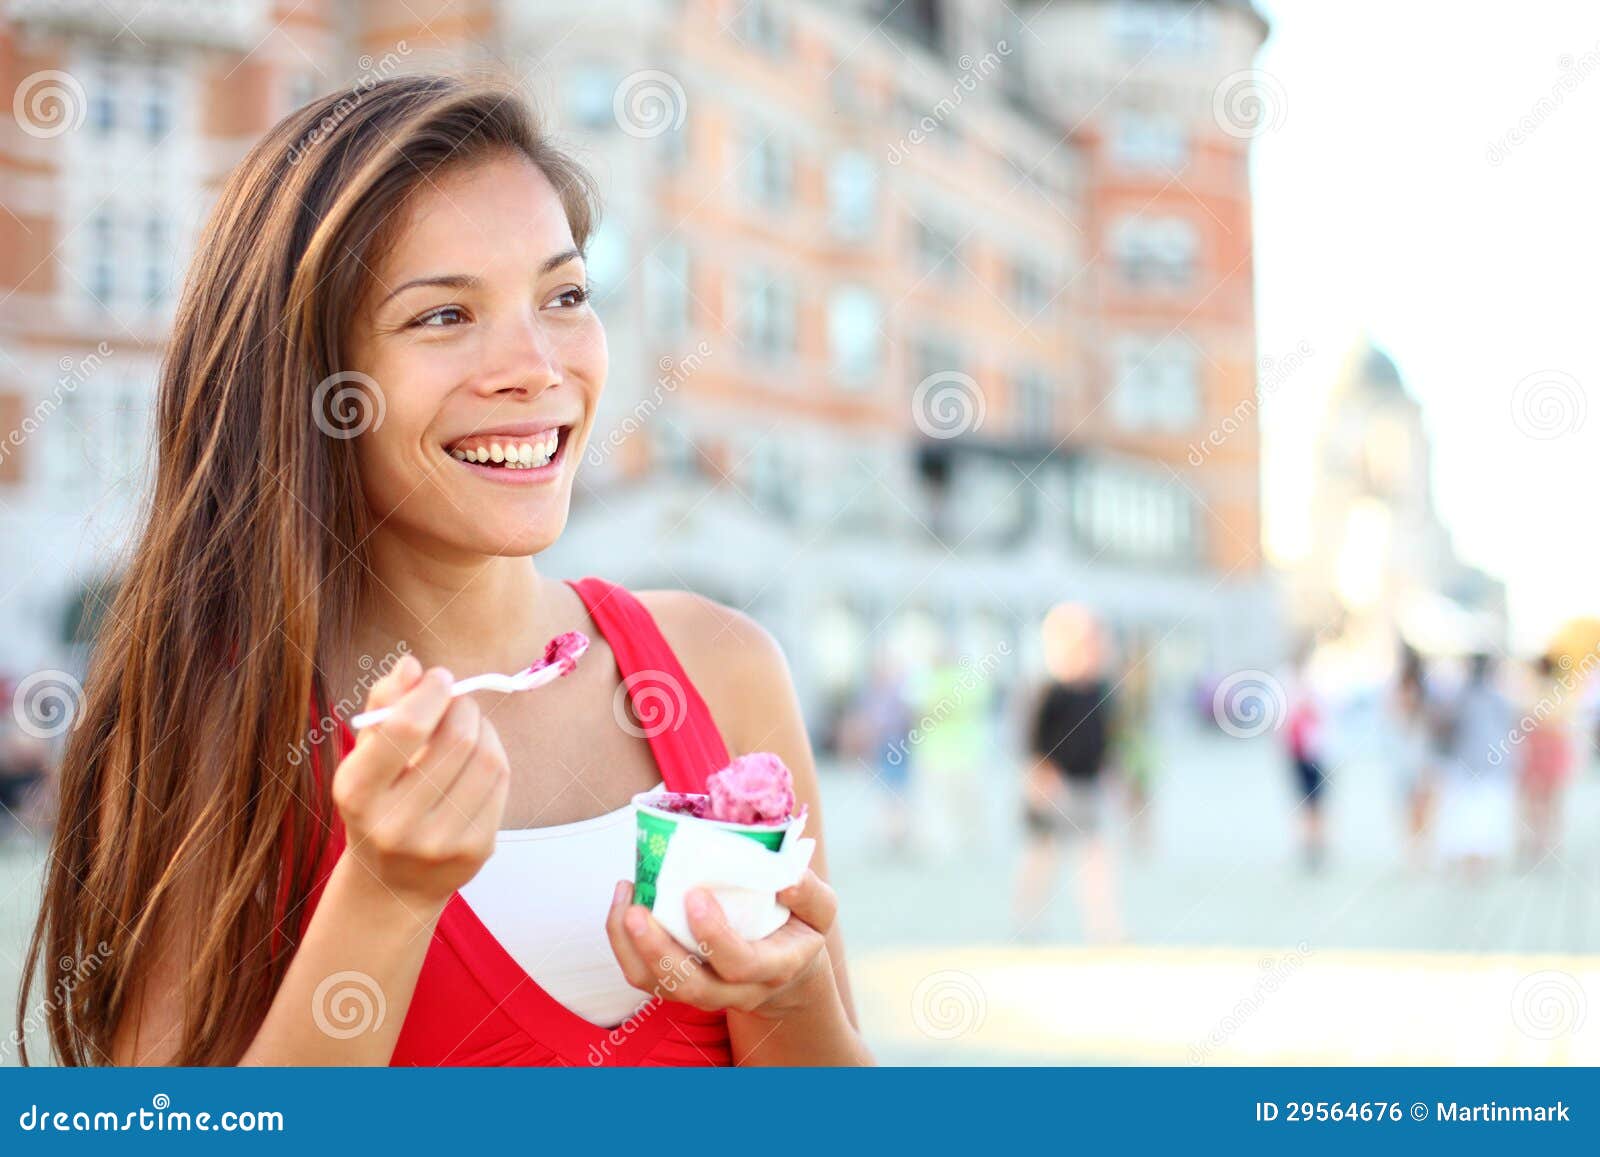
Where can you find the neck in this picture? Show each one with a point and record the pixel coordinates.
(470, 613)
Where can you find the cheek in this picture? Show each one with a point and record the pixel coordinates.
(391, 457)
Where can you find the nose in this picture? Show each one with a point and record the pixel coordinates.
(524, 361)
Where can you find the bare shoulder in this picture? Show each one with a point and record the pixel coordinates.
(735, 662)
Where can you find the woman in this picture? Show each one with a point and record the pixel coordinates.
(1547, 758)
(424, 242)
(1412, 750)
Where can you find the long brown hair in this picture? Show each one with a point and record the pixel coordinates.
(181, 794)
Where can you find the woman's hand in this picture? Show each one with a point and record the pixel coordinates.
(771, 977)
(422, 793)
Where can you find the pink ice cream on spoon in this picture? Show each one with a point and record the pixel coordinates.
(753, 789)
(565, 651)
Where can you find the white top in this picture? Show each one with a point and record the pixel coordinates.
(544, 894)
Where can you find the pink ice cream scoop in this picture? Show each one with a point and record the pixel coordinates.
(753, 789)
(566, 650)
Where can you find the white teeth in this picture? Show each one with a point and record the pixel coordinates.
(514, 455)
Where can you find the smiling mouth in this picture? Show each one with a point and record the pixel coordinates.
(510, 452)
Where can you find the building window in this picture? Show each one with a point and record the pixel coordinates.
(768, 171)
(1129, 513)
(671, 301)
(1031, 287)
(591, 90)
(157, 104)
(1157, 384)
(855, 333)
(852, 196)
(606, 261)
(157, 261)
(937, 250)
(104, 96)
(767, 320)
(102, 263)
(934, 355)
(1148, 143)
(1141, 29)
(1036, 405)
(760, 26)
(1155, 253)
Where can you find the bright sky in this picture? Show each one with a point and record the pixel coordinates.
(1377, 208)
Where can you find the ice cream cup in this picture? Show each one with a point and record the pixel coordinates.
(655, 825)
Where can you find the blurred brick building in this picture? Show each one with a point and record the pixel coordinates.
(918, 311)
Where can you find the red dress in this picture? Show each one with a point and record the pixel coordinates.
(474, 1004)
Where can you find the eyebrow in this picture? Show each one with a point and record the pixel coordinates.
(468, 281)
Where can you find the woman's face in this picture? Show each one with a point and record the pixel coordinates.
(478, 332)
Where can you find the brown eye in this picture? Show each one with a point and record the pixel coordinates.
(445, 315)
(571, 297)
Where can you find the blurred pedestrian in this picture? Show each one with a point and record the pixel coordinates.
(1069, 745)
(1303, 736)
(877, 731)
(1412, 751)
(24, 774)
(1548, 753)
(1133, 747)
(952, 742)
(1472, 730)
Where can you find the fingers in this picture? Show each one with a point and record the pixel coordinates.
(736, 959)
(390, 745)
(813, 901)
(400, 679)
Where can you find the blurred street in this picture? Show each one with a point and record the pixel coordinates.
(1235, 955)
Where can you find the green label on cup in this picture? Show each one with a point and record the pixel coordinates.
(654, 833)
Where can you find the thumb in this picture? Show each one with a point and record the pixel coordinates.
(392, 687)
